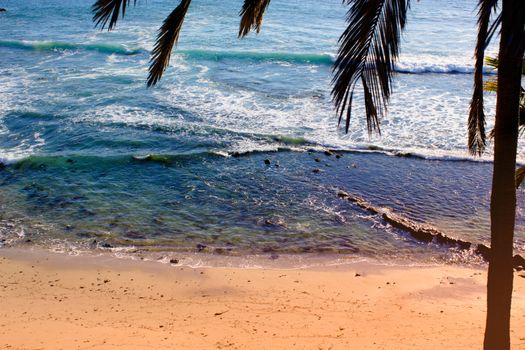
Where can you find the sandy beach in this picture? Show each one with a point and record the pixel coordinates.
(55, 301)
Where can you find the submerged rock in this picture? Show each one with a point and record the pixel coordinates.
(267, 161)
(275, 222)
(174, 261)
(421, 232)
(425, 233)
(442, 239)
(342, 194)
(200, 247)
(483, 251)
(316, 171)
(3, 10)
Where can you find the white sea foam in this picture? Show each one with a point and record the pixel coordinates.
(423, 121)
(427, 113)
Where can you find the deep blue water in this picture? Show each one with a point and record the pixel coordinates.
(77, 124)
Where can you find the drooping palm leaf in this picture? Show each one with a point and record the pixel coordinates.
(491, 84)
(476, 119)
(368, 50)
(166, 39)
(252, 13)
(496, 24)
(108, 10)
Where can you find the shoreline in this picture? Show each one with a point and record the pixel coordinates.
(102, 302)
(291, 205)
(247, 260)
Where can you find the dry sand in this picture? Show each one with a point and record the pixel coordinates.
(51, 301)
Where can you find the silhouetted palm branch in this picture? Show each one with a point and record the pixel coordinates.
(108, 10)
(496, 24)
(368, 51)
(166, 39)
(252, 15)
(476, 119)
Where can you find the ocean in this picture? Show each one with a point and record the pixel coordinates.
(94, 161)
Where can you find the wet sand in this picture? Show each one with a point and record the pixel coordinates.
(55, 301)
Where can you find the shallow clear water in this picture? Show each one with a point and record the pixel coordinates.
(76, 122)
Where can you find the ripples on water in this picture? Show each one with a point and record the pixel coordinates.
(77, 125)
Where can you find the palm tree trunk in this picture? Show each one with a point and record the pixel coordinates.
(503, 200)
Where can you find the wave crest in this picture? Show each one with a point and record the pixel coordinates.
(321, 59)
(60, 46)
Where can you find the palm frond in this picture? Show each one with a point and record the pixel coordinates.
(496, 24)
(492, 62)
(476, 120)
(368, 50)
(105, 11)
(490, 85)
(166, 39)
(252, 13)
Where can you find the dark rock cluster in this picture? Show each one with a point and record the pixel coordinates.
(424, 233)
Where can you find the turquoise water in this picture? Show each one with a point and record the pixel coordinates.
(93, 159)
